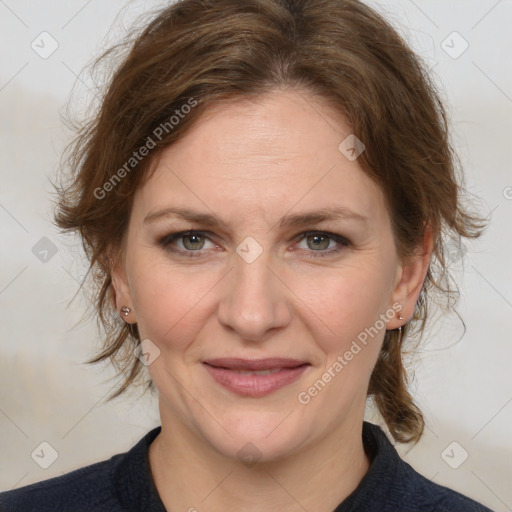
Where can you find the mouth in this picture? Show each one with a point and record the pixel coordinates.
(255, 377)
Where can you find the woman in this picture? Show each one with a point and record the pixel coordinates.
(263, 198)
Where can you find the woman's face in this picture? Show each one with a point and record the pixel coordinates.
(262, 277)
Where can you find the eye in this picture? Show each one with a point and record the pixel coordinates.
(194, 243)
(186, 242)
(323, 243)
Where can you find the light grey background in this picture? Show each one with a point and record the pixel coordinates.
(463, 385)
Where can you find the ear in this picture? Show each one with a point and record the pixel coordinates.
(121, 296)
(410, 278)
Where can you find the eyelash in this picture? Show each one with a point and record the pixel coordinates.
(167, 240)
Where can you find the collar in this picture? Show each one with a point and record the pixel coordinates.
(132, 481)
(380, 477)
(136, 490)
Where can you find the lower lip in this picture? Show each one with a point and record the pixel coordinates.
(255, 385)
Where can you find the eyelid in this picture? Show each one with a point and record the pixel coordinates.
(167, 240)
(342, 242)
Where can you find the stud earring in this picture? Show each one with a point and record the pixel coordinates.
(125, 310)
(400, 317)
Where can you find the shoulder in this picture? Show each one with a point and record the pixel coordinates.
(104, 486)
(392, 484)
(85, 488)
(427, 495)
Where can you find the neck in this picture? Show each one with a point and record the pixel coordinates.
(190, 475)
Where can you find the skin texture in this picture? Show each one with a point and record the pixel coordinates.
(250, 163)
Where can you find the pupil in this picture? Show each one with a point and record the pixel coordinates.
(320, 237)
(195, 239)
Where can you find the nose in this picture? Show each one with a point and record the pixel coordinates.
(255, 301)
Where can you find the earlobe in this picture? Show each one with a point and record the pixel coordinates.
(120, 289)
(413, 271)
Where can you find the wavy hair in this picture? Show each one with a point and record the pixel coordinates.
(219, 50)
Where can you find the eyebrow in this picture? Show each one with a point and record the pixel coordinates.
(295, 220)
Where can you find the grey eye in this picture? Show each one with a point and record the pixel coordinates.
(192, 241)
(318, 241)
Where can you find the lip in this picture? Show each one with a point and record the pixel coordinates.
(237, 363)
(226, 372)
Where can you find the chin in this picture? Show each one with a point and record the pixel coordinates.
(255, 436)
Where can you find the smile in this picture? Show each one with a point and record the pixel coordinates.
(255, 382)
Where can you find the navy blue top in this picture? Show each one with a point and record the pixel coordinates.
(123, 483)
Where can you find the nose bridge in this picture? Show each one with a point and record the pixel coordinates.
(254, 300)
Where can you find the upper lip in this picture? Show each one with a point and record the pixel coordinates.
(254, 364)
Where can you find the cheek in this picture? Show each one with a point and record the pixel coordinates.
(343, 306)
(174, 303)
(169, 302)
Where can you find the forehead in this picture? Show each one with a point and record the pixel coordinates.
(261, 157)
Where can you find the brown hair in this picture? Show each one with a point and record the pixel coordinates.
(199, 52)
